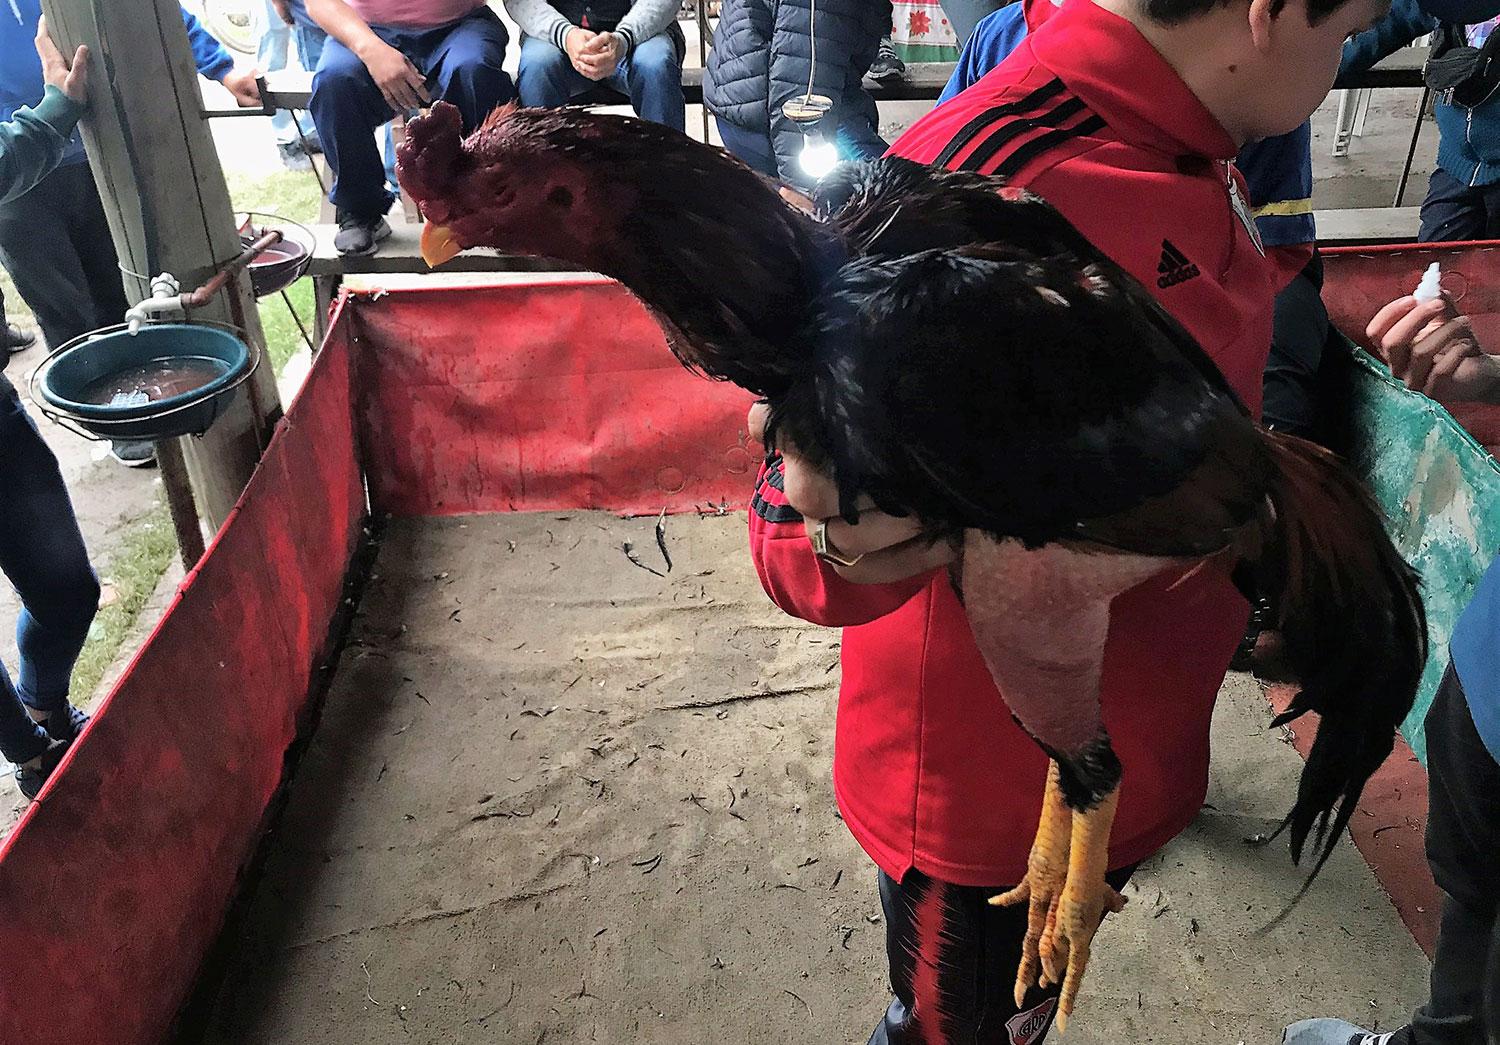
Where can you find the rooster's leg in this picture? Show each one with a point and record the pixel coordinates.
(1066, 893)
(1041, 618)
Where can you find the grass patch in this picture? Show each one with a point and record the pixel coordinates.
(133, 570)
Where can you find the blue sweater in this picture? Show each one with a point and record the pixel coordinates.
(21, 81)
(1469, 150)
(1476, 657)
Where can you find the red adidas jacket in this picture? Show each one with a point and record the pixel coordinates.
(930, 770)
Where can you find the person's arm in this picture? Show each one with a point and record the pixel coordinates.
(215, 63)
(32, 142)
(1432, 349)
(995, 37)
(402, 84)
(1405, 22)
(645, 19)
(539, 19)
(798, 581)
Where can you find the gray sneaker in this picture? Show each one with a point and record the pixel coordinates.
(360, 237)
(133, 453)
(1328, 1031)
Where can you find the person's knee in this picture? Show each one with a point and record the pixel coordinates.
(543, 75)
(656, 61)
(341, 87)
(72, 600)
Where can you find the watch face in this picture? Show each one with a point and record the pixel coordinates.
(237, 23)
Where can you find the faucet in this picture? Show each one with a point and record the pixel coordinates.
(165, 300)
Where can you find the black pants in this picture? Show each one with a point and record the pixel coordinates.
(1455, 211)
(1463, 849)
(56, 245)
(953, 962)
(1299, 333)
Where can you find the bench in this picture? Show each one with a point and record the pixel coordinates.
(1364, 226)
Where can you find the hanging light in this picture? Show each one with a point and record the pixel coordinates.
(819, 155)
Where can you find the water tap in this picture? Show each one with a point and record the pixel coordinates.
(165, 300)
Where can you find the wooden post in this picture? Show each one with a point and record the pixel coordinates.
(169, 211)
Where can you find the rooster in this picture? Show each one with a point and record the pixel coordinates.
(892, 327)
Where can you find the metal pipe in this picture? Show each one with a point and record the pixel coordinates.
(201, 296)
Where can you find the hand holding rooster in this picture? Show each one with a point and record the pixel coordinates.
(879, 549)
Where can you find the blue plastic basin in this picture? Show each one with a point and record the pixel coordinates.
(116, 352)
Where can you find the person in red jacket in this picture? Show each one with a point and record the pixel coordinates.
(1125, 115)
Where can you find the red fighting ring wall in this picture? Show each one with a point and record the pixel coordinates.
(512, 397)
(115, 881)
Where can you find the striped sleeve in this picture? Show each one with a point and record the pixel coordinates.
(1010, 138)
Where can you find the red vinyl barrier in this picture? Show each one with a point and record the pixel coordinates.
(1359, 281)
(556, 394)
(116, 880)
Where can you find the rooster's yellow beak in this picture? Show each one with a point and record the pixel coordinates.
(438, 245)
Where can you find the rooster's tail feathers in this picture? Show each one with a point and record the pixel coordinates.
(1351, 612)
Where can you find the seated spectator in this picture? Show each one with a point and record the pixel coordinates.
(1434, 351)
(633, 46)
(1463, 196)
(390, 56)
(762, 59)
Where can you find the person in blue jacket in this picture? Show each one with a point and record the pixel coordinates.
(1433, 350)
(1463, 195)
(55, 240)
(41, 550)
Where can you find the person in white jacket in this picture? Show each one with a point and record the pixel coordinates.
(633, 46)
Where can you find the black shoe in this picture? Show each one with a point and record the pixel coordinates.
(1260, 619)
(888, 64)
(294, 157)
(30, 780)
(64, 723)
(133, 453)
(13, 340)
(360, 237)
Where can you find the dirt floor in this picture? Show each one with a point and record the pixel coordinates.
(556, 797)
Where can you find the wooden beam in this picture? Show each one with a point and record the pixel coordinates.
(168, 206)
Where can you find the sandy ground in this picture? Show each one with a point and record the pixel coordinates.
(554, 797)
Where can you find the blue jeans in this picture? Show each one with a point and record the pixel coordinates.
(857, 142)
(272, 58)
(651, 76)
(461, 62)
(43, 557)
(1455, 211)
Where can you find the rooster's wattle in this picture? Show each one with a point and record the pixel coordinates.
(895, 334)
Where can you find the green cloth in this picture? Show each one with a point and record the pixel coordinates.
(32, 142)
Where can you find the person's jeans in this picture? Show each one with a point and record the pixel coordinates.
(56, 245)
(43, 557)
(651, 76)
(462, 64)
(1454, 211)
(275, 43)
(1299, 333)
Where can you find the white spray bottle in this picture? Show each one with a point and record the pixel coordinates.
(1430, 289)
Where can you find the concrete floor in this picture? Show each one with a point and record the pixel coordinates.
(555, 798)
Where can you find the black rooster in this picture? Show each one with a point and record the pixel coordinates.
(896, 335)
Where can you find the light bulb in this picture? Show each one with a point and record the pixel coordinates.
(819, 157)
